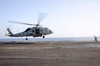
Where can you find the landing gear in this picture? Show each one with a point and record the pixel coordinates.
(26, 38)
(43, 36)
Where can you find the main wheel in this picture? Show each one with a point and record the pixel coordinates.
(26, 38)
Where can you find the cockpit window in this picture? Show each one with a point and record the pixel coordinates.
(27, 29)
(46, 28)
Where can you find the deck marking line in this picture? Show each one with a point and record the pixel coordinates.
(51, 44)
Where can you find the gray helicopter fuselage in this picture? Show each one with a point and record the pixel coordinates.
(34, 31)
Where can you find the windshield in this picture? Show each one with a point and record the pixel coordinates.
(27, 29)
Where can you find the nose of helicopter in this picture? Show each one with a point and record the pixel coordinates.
(51, 31)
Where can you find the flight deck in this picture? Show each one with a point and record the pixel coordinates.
(52, 53)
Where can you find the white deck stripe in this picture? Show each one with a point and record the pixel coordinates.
(51, 44)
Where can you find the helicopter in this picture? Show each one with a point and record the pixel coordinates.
(36, 31)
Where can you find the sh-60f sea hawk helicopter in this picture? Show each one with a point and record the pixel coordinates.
(36, 31)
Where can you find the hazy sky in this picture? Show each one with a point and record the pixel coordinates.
(67, 18)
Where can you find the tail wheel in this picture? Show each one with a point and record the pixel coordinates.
(43, 36)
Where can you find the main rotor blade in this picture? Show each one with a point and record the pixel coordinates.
(21, 23)
(41, 16)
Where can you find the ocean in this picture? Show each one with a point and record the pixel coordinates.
(51, 39)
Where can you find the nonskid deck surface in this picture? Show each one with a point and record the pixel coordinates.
(56, 53)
